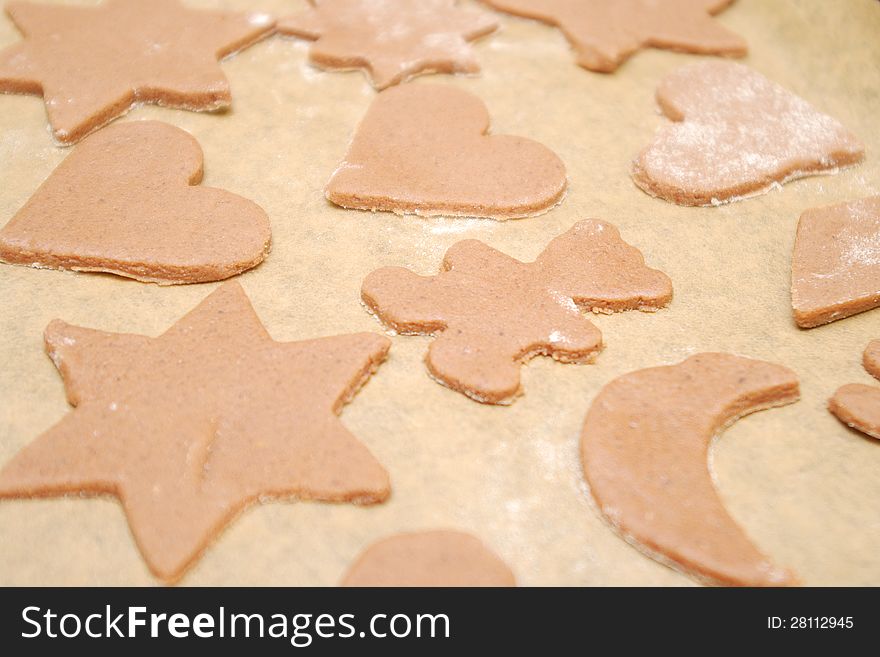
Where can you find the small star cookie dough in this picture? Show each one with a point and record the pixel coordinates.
(390, 41)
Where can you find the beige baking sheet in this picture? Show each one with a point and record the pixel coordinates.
(804, 487)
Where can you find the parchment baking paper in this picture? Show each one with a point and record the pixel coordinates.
(804, 487)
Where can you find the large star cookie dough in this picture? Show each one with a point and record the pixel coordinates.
(91, 64)
(188, 428)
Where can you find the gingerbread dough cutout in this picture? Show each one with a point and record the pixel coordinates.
(429, 559)
(835, 268)
(423, 149)
(91, 64)
(734, 134)
(604, 33)
(858, 405)
(645, 446)
(125, 202)
(188, 428)
(490, 313)
(391, 41)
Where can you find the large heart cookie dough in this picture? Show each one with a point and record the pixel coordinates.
(423, 149)
(124, 202)
(604, 33)
(733, 134)
(391, 42)
(91, 64)
(189, 428)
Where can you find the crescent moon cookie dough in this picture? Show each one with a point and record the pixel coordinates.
(189, 428)
(423, 149)
(605, 33)
(858, 405)
(91, 64)
(645, 449)
(429, 559)
(491, 313)
(126, 202)
(735, 134)
(391, 41)
(835, 267)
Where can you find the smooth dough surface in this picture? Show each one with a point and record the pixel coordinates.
(188, 428)
(605, 33)
(429, 559)
(835, 267)
(490, 312)
(645, 452)
(91, 64)
(423, 149)
(126, 201)
(858, 405)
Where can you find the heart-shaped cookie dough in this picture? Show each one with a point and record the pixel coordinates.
(123, 202)
(423, 149)
(735, 134)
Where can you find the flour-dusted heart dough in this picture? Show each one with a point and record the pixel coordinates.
(491, 313)
(858, 405)
(126, 202)
(604, 33)
(423, 149)
(835, 267)
(734, 134)
(429, 559)
(91, 64)
(644, 448)
(391, 41)
(188, 428)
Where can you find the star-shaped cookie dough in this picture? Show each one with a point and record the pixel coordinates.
(391, 41)
(604, 33)
(190, 427)
(91, 64)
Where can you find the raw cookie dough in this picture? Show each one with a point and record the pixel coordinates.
(188, 428)
(91, 64)
(871, 359)
(733, 134)
(391, 41)
(491, 313)
(423, 149)
(645, 446)
(604, 33)
(858, 405)
(835, 268)
(429, 559)
(124, 202)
